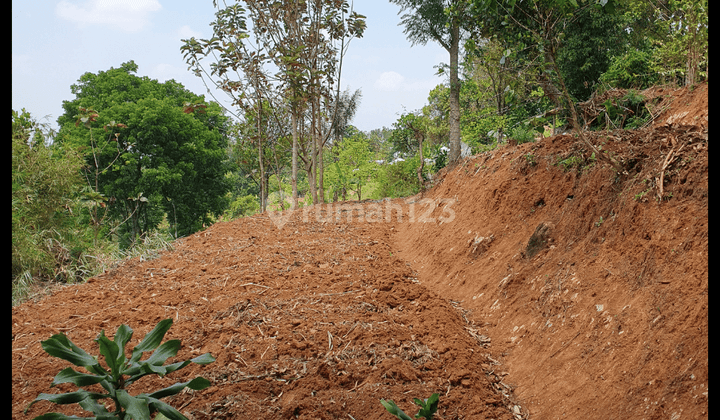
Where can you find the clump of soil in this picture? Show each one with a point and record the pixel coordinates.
(320, 313)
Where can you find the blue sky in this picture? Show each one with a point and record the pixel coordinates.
(55, 42)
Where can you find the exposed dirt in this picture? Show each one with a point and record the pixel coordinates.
(530, 282)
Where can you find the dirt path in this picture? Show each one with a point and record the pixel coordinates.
(519, 287)
(316, 320)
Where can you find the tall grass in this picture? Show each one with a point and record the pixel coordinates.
(69, 267)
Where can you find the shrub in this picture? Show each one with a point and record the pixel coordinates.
(631, 70)
(399, 179)
(522, 134)
(122, 373)
(243, 206)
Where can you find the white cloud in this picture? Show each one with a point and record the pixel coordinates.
(185, 32)
(389, 81)
(128, 16)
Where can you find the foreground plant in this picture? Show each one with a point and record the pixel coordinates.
(123, 372)
(428, 407)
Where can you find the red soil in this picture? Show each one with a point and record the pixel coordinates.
(515, 288)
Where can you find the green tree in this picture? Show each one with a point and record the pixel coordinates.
(170, 160)
(439, 21)
(299, 38)
(685, 46)
(352, 163)
(590, 40)
(45, 182)
(538, 26)
(407, 138)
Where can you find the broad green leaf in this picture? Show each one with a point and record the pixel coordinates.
(122, 336)
(69, 398)
(203, 359)
(393, 409)
(112, 353)
(175, 366)
(135, 407)
(429, 406)
(95, 407)
(152, 339)
(60, 346)
(77, 378)
(196, 384)
(165, 409)
(166, 350)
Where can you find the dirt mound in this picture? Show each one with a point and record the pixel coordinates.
(530, 283)
(593, 285)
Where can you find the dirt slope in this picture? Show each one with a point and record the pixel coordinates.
(593, 290)
(320, 313)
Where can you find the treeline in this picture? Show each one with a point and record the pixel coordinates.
(519, 69)
(137, 163)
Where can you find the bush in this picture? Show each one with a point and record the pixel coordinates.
(632, 70)
(522, 134)
(50, 234)
(243, 206)
(399, 179)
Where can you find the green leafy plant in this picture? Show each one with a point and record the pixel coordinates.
(428, 407)
(571, 162)
(522, 134)
(122, 372)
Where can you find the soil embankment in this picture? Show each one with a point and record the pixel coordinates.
(593, 285)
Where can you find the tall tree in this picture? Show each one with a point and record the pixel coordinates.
(685, 46)
(439, 21)
(169, 160)
(298, 38)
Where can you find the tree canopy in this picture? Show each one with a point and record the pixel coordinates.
(152, 149)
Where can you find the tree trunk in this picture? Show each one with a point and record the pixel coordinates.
(263, 203)
(422, 162)
(454, 99)
(293, 176)
(321, 172)
(313, 154)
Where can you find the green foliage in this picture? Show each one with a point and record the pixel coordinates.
(351, 163)
(683, 52)
(170, 149)
(121, 373)
(522, 134)
(44, 181)
(577, 162)
(399, 179)
(428, 407)
(51, 236)
(628, 112)
(589, 41)
(631, 70)
(243, 206)
(406, 134)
